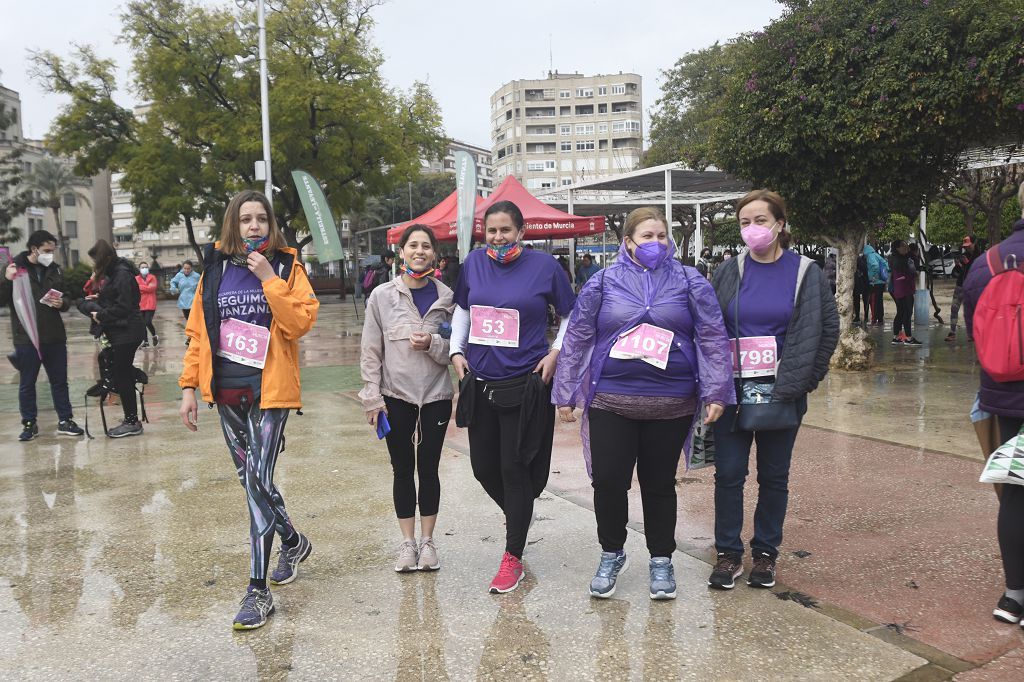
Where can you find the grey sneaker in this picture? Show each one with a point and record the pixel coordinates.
(288, 560)
(125, 429)
(611, 566)
(428, 560)
(407, 557)
(663, 579)
(257, 605)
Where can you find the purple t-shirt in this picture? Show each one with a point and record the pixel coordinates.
(766, 298)
(636, 377)
(241, 296)
(528, 284)
(424, 297)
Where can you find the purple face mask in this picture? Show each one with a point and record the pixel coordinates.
(650, 254)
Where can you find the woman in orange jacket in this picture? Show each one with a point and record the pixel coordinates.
(254, 304)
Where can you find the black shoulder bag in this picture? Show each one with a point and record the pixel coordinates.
(756, 409)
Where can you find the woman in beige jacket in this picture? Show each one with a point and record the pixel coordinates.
(404, 366)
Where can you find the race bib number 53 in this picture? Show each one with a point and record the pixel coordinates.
(759, 356)
(244, 343)
(494, 326)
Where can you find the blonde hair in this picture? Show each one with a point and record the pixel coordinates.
(640, 215)
(231, 242)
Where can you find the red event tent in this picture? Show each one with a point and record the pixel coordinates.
(542, 221)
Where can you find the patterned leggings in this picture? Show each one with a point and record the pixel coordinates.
(255, 437)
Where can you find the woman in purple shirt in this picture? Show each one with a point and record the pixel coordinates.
(645, 349)
(781, 316)
(505, 363)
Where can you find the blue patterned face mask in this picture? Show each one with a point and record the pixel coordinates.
(256, 243)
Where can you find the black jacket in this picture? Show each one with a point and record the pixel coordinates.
(118, 305)
(48, 320)
(813, 330)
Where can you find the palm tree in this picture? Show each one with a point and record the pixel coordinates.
(53, 180)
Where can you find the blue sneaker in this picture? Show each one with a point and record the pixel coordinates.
(663, 579)
(30, 429)
(612, 564)
(257, 605)
(288, 560)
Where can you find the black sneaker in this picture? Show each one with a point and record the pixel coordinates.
(156, 340)
(30, 429)
(726, 570)
(1008, 610)
(68, 427)
(912, 342)
(897, 341)
(763, 572)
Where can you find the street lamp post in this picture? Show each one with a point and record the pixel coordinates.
(262, 167)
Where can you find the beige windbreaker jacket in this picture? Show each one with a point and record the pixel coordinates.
(388, 364)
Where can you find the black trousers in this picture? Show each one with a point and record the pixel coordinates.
(617, 445)
(862, 300)
(1009, 527)
(497, 464)
(122, 373)
(147, 319)
(878, 303)
(904, 315)
(407, 459)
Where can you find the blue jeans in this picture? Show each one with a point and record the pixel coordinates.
(55, 360)
(732, 455)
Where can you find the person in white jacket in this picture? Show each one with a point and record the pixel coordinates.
(404, 366)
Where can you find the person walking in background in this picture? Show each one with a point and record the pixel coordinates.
(878, 277)
(588, 268)
(639, 408)
(115, 309)
(777, 303)
(968, 254)
(254, 304)
(404, 366)
(183, 285)
(704, 266)
(902, 272)
(45, 276)
(861, 291)
(564, 263)
(147, 302)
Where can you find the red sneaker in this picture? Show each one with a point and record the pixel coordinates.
(509, 575)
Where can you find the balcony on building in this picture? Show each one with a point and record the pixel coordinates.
(540, 112)
(539, 95)
(541, 147)
(625, 107)
(540, 130)
(584, 109)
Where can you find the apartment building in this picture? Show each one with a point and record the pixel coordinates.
(484, 169)
(566, 128)
(84, 212)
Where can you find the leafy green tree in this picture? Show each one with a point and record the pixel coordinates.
(14, 197)
(195, 143)
(53, 180)
(854, 111)
(984, 192)
(424, 193)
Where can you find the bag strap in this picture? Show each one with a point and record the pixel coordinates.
(995, 263)
(736, 322)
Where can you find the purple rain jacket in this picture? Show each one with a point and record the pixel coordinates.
(617, 299)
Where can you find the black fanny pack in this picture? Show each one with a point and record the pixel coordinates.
(238, 391)
(507, 394)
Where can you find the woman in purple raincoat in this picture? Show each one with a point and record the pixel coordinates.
(645, 349)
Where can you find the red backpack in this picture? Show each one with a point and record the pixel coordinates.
(999, 320)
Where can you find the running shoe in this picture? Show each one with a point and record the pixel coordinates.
(897, 341)
(763, 572)
(288, 560)
(144, 344)
(912, 342)
(663, 579)
(68, 427)
(612, 565)
(951, 337)
(428, 560)
(29, 430)
(1008, 610)
(257, 605)
(509, 575)
(125, 429)
(728, 567)
(156, 340)
(407, 557)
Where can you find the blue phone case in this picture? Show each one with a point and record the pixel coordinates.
(383, 427)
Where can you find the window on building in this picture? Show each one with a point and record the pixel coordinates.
(565, 94)
(585, 129)
(619, 89)
(602, 90)
(584, 145)
(566, 146)
(566, 165)
(534, 166)
(27, 167)
(519, 147)
(546, 183)
(602, 108)
(566, 181)
(70, 199)
(565, 111)
(14, 115)
(123, 238)
(565, 129)
(549, 94)
(602, 144)
(71, 229)
(584, 92)
(549, 165)
(602, 127)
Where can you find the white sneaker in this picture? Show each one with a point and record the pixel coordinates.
(407, 557)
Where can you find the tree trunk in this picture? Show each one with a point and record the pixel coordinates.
(856, 347)
(993, 222)
(61, 241)
(192, 237)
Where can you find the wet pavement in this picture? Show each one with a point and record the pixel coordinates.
(126, 558)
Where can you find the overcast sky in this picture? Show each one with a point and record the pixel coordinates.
(425, 39)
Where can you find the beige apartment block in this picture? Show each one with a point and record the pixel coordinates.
(566, 128)
(484, 168)
(84, 212)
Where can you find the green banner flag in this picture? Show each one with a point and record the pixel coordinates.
(318, 217)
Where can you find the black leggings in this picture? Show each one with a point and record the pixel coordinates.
(494, 454)
(147, 319)
(122, 374)
(407, 459)
(1009, 527)
(617, 445)
(904, 314)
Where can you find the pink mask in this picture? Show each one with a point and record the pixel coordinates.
(759, 238)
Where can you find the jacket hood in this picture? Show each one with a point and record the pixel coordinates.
(868, 250)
